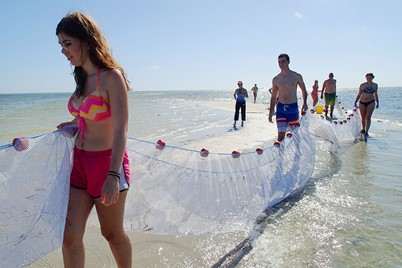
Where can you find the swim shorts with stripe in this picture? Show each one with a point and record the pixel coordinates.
(90, 171)
(287, 115)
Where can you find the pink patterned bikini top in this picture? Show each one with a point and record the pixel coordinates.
(93, 108)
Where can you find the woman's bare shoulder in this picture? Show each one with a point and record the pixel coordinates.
(113, 78)
(112, 74)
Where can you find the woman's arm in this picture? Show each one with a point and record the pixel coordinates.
(118, 101)
(359, 94)
(376, 97)
(323, 89)
(69, 123)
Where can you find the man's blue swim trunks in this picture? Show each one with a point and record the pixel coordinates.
(286, 115)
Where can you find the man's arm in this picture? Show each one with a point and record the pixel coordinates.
(324, 85)
(272, 103)
(335, 86)
(304, 91)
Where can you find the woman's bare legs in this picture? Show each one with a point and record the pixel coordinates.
(366, 113)
(111, 221)
(79, 207)
(315, 100)
(369, 113)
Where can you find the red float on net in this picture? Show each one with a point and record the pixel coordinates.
(160, 145)
(235, 154)
(204, 152)
(20, 144)
(259, 151)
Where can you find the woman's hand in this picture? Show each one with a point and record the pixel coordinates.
(64, 124)
(68, 129)
(110, 191)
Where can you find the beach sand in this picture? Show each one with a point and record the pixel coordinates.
(257, 131)
(151, 250)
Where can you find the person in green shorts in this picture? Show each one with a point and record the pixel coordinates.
(329, 89)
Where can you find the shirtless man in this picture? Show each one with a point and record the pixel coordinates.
(254, 89)
(329, 88)
(284, 86)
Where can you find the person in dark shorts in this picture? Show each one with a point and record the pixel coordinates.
(368, 100)
(240, 95)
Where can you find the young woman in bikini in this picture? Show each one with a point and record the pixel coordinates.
(368, 100)
(314, 92)
(100, 175)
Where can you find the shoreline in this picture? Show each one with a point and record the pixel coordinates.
(151, 250)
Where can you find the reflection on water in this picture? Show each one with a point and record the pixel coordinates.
(348, 216)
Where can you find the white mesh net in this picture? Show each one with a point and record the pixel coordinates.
(33, 198)
(174, 190)
(178, 191)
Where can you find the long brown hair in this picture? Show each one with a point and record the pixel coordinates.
(84, 28)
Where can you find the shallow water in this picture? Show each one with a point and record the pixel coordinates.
(349, 214)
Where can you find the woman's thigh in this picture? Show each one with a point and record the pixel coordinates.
(111, 217)
(362, 109)
(370, 110)
(80, 204)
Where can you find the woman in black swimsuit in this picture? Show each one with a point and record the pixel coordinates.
(368, 100)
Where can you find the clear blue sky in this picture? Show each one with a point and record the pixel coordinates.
(208, 44)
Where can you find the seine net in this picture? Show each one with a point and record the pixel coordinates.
(173, 191)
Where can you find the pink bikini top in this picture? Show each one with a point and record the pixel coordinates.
(93, 108)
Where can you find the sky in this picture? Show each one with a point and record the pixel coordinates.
(207, 44)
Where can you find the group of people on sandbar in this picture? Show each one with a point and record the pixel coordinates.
(284, 98)
(367, 98)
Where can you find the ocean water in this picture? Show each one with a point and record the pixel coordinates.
(170, 115)
(348, 215)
